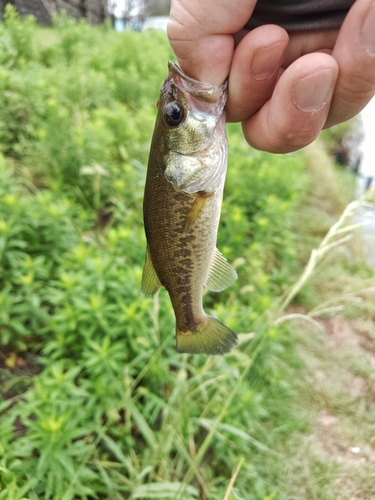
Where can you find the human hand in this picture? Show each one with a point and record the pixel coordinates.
(283, 88)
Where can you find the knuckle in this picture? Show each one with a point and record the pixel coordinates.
(183, 23)
(282, 143)
(351, 95)
(356, 87)
(176, 31)
(291, 142)
(297, 140)
(288, 138)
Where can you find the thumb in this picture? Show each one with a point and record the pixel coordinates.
(200, 34)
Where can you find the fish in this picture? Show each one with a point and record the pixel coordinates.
(182, 203)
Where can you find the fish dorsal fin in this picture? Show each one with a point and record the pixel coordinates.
(222, 274)
(150, 280)
(195, 210)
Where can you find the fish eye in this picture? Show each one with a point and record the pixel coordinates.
(174, 114)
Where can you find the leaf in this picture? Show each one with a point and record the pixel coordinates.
(26, 487)
(116, 450)
(4, 405)
(208, 424)
(139, 419)
(165, 490)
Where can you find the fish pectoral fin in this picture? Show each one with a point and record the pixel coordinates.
(212, 337)
(222, 274)
(195, 210)
(150, 280)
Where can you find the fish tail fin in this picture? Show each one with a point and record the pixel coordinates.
(211, 337)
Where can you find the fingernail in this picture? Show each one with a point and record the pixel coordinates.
(266, 61)
(368, 31)
(312, 92)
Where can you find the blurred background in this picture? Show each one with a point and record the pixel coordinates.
(120, 12)
(95, 403)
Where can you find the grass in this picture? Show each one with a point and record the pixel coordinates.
(94, 400)
(336, 393)
(334, 387)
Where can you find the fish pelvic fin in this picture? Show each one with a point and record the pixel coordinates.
(222, 274)
(211, 337)
(195, 210)
(150, 280)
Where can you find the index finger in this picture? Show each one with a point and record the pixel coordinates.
(200, 34)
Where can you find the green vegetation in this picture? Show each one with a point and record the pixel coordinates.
(94, 400)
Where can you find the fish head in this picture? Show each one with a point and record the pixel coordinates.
(192, 120)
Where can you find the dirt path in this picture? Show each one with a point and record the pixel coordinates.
(338, 390)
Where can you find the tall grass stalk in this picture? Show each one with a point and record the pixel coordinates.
(329, 242)
(233, 479)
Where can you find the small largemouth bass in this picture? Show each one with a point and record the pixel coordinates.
(182, 202)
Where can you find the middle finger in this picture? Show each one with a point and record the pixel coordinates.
(254, 70)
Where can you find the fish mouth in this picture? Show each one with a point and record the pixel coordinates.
(201, 91)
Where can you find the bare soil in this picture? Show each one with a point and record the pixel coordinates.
(340, 397)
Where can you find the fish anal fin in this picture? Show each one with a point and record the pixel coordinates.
(222, 274)
(150, 280)
(196, 209)
(212, 337)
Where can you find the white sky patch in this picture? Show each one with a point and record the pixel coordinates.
(120, 8)
(367, 167)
